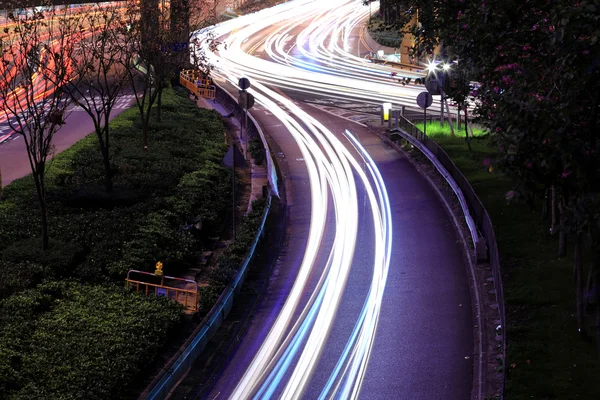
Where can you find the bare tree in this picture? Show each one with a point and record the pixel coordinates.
(101, 77)
(36, 68)
(157, 39)
(141, 48)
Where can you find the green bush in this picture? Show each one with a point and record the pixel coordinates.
(65, 338)
(179, 174)
(221, 275)
(60, 258)
(57, 340)
(156, 240)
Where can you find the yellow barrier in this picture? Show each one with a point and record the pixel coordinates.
(186, 296)
(197, 83)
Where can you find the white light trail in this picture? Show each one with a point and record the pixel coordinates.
(289, 355)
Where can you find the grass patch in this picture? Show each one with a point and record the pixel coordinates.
(436, 129)
(58, 340)
(546, 357)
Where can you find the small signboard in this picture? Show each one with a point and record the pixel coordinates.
(161, 292)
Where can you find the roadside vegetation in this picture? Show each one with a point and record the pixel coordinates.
(532, 71)
(542, 329)
(436, 129)
(383, 33)
(66, 321)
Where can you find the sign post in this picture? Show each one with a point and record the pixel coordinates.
(245, 101)
(424, 100)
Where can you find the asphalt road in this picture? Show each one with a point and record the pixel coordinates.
(423, 348)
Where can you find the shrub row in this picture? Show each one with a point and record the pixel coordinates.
(222, 274)
(89, 338)
(71, 340)
(97, 237)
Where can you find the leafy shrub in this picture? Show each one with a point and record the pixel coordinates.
(20, 275)
(257, 150)
(65, 338)
(156, 240)
(96, 335)
(61, 257)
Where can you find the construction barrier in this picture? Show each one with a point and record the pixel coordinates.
(197, 83)
(184, 291)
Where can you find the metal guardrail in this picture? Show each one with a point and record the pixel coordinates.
(182, 361)
(480, 217)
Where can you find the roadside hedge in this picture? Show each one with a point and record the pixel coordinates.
(97, 237)
(68, 329)
(221, 275)
(71, 340)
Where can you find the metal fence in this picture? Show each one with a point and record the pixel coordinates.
(479, 215)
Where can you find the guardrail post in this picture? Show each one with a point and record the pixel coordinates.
(480, 249)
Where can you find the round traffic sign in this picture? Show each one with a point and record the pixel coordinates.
(424, 99)
(246, 100)
(244, 83)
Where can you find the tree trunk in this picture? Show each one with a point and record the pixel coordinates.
(159, 103)
(44, 215)
(553, 210)
(545, 205)
(145, 126)
(596, 293)
(449, 116)
(562, 235)
(466, 129)
(145, 129)
(579, 287)
(104, 150)
(38, 178)
(107, 176)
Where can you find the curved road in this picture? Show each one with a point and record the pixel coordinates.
(417, 333)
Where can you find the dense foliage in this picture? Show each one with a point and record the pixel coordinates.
(221, 274)
(59, 339)
(62, 339)
(531, 69)
(97, 237)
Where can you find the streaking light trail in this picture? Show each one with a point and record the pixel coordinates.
(337, 166)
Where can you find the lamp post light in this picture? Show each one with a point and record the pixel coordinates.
(437, 86)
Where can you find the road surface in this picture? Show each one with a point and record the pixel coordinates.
(370, 297)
